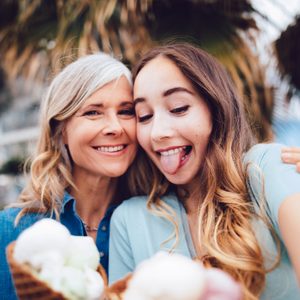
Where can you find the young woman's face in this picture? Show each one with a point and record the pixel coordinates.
(173, 121)
(101, 136)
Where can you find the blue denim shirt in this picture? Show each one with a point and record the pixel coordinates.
(68, 217)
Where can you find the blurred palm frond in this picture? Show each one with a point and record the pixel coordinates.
(228, 31)
(287, 49)
(56, 32)
(38, 35)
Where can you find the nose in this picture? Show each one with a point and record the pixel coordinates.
(112, 126)
(161, 128)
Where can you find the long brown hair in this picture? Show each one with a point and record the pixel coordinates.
(226, 210)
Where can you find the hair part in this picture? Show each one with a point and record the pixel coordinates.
(227, 238)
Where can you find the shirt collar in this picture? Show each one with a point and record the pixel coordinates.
(111, 209)
(66, 199)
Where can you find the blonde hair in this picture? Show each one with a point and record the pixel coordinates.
(225, 209)
(51, 169)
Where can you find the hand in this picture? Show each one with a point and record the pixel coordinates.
(291, 155)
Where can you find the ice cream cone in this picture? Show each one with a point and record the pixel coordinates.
(103, 274)
(27, 285)
(30, 287)
(116, 290)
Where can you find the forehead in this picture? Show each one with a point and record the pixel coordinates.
(158, 75)
(116, 90)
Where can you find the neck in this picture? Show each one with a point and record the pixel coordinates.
(93, 197)
(190, 195)
(192, 199)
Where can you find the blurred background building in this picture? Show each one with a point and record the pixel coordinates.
(258, 41)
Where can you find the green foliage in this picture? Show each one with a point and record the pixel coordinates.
(41, 35)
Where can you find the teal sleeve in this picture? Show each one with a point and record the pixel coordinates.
(120, 255)
(270, 179)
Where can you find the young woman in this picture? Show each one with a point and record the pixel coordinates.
(86, 144)
(211, 197)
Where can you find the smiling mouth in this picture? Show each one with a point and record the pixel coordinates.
(185, 149)
(110, 149)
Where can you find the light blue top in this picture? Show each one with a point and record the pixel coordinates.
(137, 234)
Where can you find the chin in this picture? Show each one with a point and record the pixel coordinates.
(177, 179)
(182, 177)
(116, 171)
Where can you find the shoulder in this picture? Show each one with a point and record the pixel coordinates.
(270, 180)
(264, 153)
(136, 210)
(137, 206)
(263, 162)
(7, 220)
(8, 215)
(131, 211)
(137, 201)
(9, 228)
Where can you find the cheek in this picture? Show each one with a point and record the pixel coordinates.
(70, 136)
(201, 125)
(201, 141)
(129, 127)
(143, 137)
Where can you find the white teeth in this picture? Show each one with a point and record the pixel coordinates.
(111, 149)
(172, 151)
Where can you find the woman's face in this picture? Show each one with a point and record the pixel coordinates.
(101, 135)
(173, 121)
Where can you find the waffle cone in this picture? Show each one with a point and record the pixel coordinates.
(28, 286)
(116, 290)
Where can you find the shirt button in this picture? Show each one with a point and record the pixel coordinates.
(101, 254)
(103, 228)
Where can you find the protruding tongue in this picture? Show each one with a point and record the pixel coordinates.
(170, 163)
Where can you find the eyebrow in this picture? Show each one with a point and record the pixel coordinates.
(125, 103)
(100, 105)
(176, 90)
(165, 94)
(138, 100)
(93, 105)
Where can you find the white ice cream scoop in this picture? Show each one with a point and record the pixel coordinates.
(83, 253)
(94, 284)
(45, 235)
(166, 277)
(68, 264)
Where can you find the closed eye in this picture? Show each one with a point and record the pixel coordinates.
(127, 112)
(144, 118)
(179, 110)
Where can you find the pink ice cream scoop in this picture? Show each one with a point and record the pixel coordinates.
(220, 286)
(175, 277)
